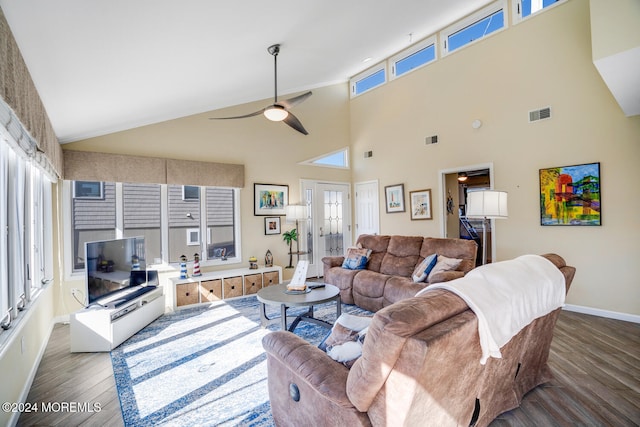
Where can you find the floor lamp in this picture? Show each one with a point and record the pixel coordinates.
(486, 204)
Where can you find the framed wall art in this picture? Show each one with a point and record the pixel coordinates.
(270, 199)
(420, 202)
(394, 198)
(271, 225)
(570, 195)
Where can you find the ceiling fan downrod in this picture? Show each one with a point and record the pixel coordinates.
(275, 50)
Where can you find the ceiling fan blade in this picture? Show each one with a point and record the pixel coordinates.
(256, 113)
(293, 121)
(288, 103)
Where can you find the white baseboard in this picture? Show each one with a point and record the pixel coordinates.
(634, 318)
(61, 319)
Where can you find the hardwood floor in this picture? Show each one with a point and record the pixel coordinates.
(595, 361)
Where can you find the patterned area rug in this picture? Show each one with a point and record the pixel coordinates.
(205, 365)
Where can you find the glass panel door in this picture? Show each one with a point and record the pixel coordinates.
(328, 231)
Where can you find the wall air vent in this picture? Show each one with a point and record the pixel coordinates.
(541, 114)
(431, 139)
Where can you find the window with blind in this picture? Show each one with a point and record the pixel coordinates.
(26, 252)
(175, 220)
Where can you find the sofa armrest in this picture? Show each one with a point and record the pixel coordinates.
(310, 365)
(333, 261)
(445, 276)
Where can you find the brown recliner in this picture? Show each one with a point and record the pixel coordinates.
(419, 366)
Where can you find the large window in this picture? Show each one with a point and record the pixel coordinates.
(175, 220)
(26, 252)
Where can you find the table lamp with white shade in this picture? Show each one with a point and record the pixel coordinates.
(486, 204)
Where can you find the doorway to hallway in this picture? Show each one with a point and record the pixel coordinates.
(455, 184)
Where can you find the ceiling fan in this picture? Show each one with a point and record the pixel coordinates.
(279, 110)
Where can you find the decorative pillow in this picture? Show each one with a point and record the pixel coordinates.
(444, 264)
(344, 345)
(424, 268)
(358, 251)
(340, 335)
(346, 353)
(356, 258)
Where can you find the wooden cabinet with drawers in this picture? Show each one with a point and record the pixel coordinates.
(223, 284)
(186, 294)
(232, 287)
(210, 290)
(270, 278)
(252, 283)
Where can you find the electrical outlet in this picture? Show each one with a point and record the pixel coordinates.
(75, 291)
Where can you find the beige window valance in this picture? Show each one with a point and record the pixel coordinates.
(90, 166)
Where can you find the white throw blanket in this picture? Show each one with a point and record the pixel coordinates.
(506, 296)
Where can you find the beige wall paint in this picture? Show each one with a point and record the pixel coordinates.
(543, 61)
(614, 26)
(270, 152)
(19, 359)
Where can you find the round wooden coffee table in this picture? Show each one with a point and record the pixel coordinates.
(276, 295)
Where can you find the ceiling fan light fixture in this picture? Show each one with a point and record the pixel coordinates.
(462, 176)
(276, 113)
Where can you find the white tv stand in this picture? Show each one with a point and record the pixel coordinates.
(98, 328)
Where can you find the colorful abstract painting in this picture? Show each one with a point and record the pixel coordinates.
(570, 195)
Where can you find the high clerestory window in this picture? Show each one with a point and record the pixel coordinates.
(525, 8)
(475, 27)
(368, 80)
(488, 20)
(413, 58)
(336, 159)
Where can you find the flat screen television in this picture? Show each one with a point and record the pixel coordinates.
(114, 266)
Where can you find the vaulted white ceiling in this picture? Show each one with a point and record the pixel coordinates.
(102, 66)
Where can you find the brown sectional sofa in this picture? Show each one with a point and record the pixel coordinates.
(387, 276)
(419, 366)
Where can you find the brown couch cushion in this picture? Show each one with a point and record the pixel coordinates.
(378, 246)
(399, 288)
(402, 255)
(368, 288)
(465, 250)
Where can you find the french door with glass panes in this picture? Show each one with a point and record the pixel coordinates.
(328, 230)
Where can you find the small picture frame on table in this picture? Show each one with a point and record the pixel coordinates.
(271, 225)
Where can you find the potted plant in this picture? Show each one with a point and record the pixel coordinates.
(289, 237)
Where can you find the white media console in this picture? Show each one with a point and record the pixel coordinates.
(99, 328)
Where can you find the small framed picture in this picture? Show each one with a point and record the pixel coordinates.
(394, 198)
(420, 204)
(271, 225)
(270, 199)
